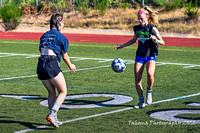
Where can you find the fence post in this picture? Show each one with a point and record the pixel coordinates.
(74, 1)
(143, 3)
(37, 5)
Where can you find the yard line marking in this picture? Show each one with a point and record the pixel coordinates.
(89, 68)
(176, 98)
(106, 113)
(160, 63)
(82, 69)
(191, 66)
(178, 64)
(13, 54)
(100, 60)
(128, 62)
(18, 77)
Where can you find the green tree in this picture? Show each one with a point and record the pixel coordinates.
(192, 10)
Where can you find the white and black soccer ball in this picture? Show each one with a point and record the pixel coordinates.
(118, 65)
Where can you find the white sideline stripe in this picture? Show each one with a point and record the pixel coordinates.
(99, 59)
(106, 113)
(88, 68)
(176, 98)
(18, 77)
(129, 62)
(63, 71)
(191, 66)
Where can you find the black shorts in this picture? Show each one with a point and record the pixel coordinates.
(48, 67)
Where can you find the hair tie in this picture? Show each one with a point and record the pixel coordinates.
(141, 12)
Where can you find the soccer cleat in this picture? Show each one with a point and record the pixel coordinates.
(148, 98)
(140, 105)
(52, 119)
(59, 122)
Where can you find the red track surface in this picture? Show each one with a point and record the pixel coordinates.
(98, 38)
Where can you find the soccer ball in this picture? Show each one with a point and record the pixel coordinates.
(118, 65)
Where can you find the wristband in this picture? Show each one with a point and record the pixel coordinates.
(156, 41)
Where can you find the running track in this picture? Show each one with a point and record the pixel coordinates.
(100, 38)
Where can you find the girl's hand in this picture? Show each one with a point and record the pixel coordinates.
(117, 47)
(153, 38)
(72, 68)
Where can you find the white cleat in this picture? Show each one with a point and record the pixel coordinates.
(148, 98)
(140, 105)
(53, 120)
(59, 122)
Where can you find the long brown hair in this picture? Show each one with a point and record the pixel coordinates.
(55, 19)
(153, 18)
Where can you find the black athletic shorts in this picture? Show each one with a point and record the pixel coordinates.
(48, 67)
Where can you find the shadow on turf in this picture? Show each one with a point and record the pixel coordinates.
(99, 103)
(28, 124)
(196, 69)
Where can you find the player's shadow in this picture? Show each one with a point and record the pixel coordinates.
(27, 124)
(99, 103)
(113, 105)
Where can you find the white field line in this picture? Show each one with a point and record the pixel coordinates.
(13, 54)
(106, 113)
(100, 60)
(63, 71)
(176, 98)
(18, 77)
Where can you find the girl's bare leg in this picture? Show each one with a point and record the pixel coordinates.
(138, 70)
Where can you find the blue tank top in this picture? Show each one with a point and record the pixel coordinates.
(55, 41)
(146, 46)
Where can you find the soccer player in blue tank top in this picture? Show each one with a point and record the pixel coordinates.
(53, 46)
(149, 37)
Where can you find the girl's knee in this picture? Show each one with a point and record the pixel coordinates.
(63, 91)
(53, 95)
(138, 80)
(150, 75)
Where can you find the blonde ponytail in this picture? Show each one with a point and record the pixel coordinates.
(153, 18)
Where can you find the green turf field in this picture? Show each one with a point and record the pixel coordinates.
(93, 88)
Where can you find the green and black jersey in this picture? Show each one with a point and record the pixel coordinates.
(146, 46)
